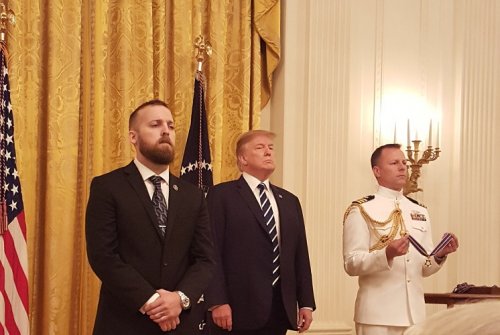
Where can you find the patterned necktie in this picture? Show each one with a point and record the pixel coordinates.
(267, 210)
(159, 203)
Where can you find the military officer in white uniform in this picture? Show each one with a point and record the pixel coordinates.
(376, 249)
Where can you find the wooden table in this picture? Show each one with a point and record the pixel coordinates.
(451, 299)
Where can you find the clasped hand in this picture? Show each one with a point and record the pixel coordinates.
(165, 310)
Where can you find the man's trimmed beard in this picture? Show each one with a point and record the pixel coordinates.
(156, 154)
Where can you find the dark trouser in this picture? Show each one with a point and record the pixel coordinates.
(276, 325)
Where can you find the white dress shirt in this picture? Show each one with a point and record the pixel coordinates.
(254, 183)
(146, 173)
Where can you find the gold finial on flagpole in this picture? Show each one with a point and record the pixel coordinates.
(202, 47)
(6, 16)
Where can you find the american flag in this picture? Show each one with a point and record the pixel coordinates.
(14, 299)
(197, 164)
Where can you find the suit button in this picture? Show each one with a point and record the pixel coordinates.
(408, 281)
(165, 263)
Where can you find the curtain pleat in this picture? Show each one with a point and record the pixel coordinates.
(77, 71)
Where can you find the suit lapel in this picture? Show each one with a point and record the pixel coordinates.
(174, 199)
(278, 196)
(249, 197)
(135, 180)
(283, 203)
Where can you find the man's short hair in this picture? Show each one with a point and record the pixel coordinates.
(250, 135)
(378, 152)
(154, 102)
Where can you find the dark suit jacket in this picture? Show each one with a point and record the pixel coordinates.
(128, 254)
(243, 277)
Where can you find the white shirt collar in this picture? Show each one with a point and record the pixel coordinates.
(389, 193)
(254, 182)
(146, 172)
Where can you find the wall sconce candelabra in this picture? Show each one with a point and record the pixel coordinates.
(430, 154)
(416, 163)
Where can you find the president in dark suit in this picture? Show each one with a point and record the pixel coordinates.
(263, 283)
(148, 237)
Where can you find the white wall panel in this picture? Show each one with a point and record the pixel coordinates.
(343, 62)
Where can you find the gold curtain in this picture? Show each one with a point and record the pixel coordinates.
(77, 70)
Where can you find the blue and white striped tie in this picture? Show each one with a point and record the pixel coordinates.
(267, 210)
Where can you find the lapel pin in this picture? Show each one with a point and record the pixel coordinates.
(280, 196)
(175, 187)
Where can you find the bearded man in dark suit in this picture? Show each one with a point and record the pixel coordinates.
(263, 283)
(148, 237)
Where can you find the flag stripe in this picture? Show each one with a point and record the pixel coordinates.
(17, 269)
(2, 314)
(9, 322)
(18, 233)
(18, 295)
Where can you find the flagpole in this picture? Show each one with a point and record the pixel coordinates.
(203, 48)
(196, 164)
(6, 16)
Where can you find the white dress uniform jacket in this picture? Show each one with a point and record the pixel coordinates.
(390, 293)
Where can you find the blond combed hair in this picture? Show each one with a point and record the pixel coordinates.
(250, 135)
(247, 137)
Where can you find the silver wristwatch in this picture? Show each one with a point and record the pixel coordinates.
(185, 302)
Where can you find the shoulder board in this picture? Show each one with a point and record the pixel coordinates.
(363, 200)
(416, 202)
(357, 203)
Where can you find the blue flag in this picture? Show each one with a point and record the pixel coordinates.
(197, 164)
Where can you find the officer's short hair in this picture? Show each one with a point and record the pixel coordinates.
(378, 152)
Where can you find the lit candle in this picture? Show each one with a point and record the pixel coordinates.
(437, 135)
(408, 131)
(430, 134)
(395, 141)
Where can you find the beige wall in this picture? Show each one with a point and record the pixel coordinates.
(350, 70)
